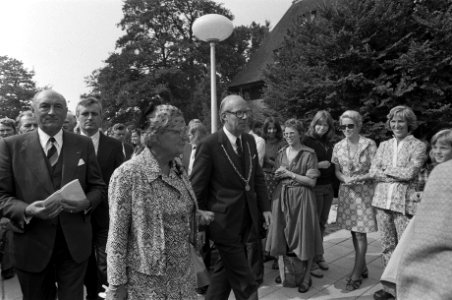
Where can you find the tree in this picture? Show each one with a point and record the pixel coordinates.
(16, 87)
(159, 55)
(368, 55)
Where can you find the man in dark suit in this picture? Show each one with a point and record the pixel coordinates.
(109, 156)
(228, 181)
(119, 132)
(52, 240)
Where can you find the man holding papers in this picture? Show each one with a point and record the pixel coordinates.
(53, 237)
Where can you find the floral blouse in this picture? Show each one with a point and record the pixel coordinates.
(395, 169)
(360, 163)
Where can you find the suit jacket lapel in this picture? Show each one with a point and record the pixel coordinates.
(71, 157)
(35, 160)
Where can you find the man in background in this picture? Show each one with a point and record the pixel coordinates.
(119, 132)
(70, 122)
(52, 239)
(109, 156)
(26, 122)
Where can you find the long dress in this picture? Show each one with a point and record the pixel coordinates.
(354, 210)
(295, 226)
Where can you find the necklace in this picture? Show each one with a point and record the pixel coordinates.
(246, 181)
(351, 166)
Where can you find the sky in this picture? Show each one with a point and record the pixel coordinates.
(64, 41)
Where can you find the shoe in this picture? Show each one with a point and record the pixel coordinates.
(323, 265)
(316, 273)
(303, 288)
(278, 279)
(268, 258)
(383, 295)
(8, 273)
(353, 284)
(202, 290)
(364, 274)
(275, 265)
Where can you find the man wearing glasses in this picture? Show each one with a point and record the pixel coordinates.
(229, 181)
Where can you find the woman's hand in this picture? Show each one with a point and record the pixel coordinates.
(116, 292)
(282, 173)
(205, 217)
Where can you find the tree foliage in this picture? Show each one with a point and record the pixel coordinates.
(159, 57)
(16, 87)
(368, 55)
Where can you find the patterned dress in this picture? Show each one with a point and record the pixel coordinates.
(354, 211)
(151, 227)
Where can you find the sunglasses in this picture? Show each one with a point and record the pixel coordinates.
(347, 126)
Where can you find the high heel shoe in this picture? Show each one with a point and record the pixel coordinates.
(364, 275)
(303, 287)
(353, 284)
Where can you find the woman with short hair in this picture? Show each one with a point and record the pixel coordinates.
(395, 168)
(153, 217)
(295, 231)
(352, 158)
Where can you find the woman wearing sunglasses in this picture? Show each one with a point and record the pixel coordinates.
(352, 158)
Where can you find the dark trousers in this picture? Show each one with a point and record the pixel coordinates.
(96, 274)
(62, 269)
(255, 255)
(232, 271)
(324, 195)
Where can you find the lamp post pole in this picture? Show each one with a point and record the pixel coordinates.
(213, 28)
(213, 89)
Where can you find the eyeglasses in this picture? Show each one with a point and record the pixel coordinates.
(240, 114)
(289, 133)
(347, 126)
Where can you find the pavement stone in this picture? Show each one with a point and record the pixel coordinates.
(339, 255)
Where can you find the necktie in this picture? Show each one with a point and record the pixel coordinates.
(52, 153)
(239, 147)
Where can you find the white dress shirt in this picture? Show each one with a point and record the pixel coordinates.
(45, 143)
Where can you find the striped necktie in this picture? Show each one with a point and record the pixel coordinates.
(52, 153)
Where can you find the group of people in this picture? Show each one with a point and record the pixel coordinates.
(138, 224)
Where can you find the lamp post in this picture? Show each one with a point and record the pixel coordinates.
(212, 28)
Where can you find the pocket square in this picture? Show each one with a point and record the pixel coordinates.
(81, 162)
(254, 156)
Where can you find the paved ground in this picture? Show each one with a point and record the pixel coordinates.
(339, 255)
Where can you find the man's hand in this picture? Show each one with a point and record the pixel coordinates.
(267, 219)
(38, 209)
(75, 206)
(324, 164)
(205, 216)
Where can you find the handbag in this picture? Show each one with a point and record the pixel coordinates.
(202, 275)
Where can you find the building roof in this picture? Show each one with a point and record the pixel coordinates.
(253, 71)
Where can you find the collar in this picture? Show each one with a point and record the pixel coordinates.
(232, 138)
(95, 137)
(44, 139)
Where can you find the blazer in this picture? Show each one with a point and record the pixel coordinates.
(109, 157)
(136, 238)
(425, 266)
(410, 159)
(218, 188)
(24, 178)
